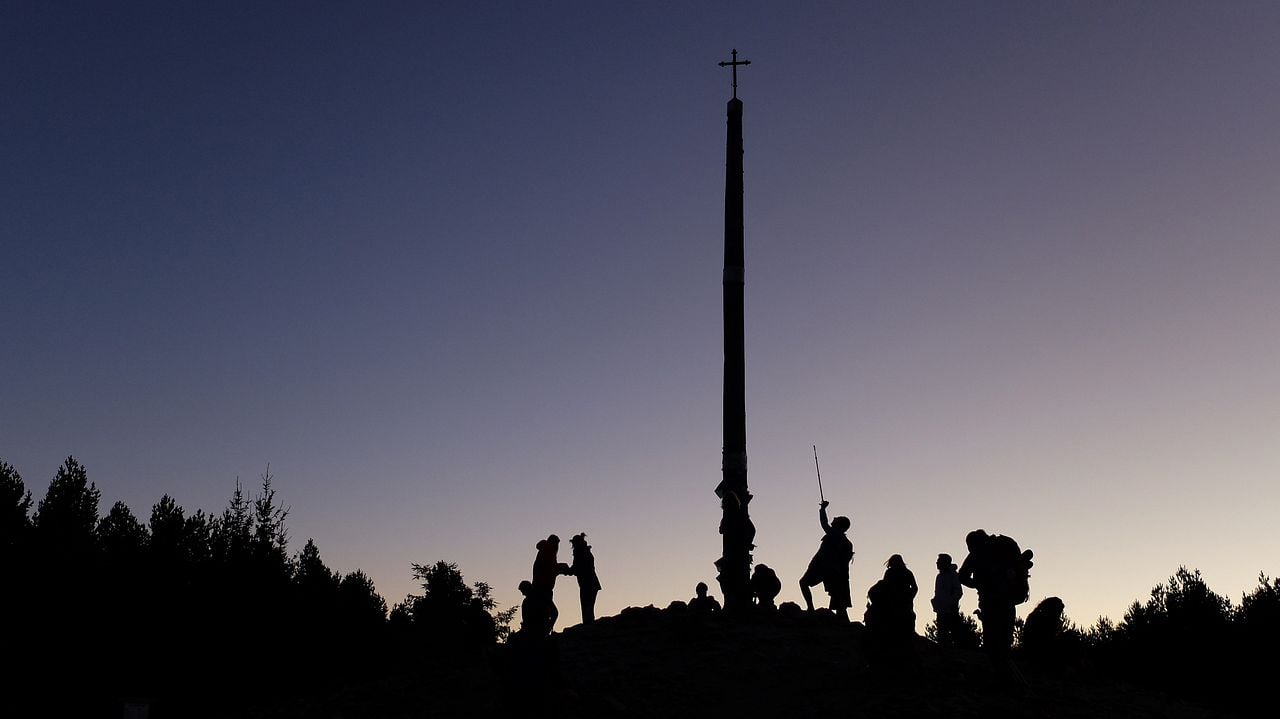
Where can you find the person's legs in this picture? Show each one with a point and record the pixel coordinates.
(808, 580)
(841, 599)
(946, 623)
(808, 596)
(588, 597)
(997, 633)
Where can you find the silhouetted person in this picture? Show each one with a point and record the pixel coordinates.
(1044, 633)
(998, 570)
(892, 607)
(530, 664)
(533, 612)
(765, 586)
(546, 568)
(947, 591)
(584, 568)
(702, 604)
(830, 565)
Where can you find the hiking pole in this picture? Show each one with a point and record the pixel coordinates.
(819, 471)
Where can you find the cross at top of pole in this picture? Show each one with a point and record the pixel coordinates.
(734, 64)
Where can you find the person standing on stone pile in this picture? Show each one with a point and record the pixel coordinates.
(584, 568)
(830, 565)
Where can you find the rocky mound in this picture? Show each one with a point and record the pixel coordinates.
(647, 662)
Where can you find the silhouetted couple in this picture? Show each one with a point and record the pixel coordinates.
(830, 565)
(538, 610)
(1000, 571)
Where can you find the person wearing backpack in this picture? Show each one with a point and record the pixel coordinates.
(999, 570)
(765, 586)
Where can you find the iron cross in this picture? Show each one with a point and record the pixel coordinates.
(735, 65)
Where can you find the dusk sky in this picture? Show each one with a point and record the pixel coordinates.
(453, 270)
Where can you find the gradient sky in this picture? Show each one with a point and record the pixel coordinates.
(453, 270)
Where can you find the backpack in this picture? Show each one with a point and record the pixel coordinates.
(1012, 565)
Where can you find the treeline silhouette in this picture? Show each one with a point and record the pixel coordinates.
(1184, 639)
(197, 613)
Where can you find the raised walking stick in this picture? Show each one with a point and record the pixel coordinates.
(819, 471)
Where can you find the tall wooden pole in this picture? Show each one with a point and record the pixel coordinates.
(735, 523)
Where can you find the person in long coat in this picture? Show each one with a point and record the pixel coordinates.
(584, 568)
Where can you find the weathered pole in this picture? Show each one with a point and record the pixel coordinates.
(738, 533)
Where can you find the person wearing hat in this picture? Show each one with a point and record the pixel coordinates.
(584, 568)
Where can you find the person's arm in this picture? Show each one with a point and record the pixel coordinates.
(822, 517)
(966, 572)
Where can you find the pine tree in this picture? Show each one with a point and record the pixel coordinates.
(449, 611)
(120, 534)
(234, 531)
(270, 537)
(311, 575)
(66, 518)
(359, 601)
(15, 504)
(167, 529)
